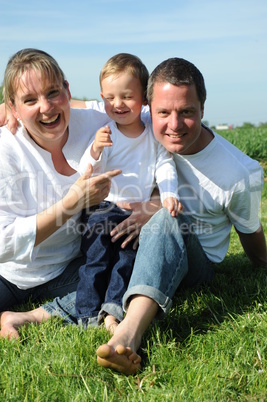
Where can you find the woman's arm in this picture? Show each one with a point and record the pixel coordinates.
(85, 192)
(21, 227)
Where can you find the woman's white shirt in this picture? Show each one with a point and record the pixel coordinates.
(30, 184)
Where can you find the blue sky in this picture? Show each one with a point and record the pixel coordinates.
(225, 39)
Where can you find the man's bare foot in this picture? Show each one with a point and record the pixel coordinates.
(121, 359)
(111, 323)
(11, 321)
(120, 352)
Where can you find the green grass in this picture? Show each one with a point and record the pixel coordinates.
(251, 140)
(211, 347)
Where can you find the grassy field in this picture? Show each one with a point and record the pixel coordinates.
(211, 347)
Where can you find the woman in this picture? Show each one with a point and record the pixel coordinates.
(41, 193)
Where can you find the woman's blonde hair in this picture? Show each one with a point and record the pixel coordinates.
(25, 60)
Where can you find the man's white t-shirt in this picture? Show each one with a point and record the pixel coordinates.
(219, 187)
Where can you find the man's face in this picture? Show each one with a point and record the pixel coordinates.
(176, 116)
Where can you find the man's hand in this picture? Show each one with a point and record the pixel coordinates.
(141, 213)
(6, 117)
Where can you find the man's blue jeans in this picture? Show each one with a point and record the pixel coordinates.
(106, 273)
(169, 256)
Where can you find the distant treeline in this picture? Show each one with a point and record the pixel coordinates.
(250, 139)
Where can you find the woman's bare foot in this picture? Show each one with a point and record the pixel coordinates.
(11, 321)
(111, 323)
(8, 329)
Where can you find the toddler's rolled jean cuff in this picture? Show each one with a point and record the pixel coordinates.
(107, 309)
(163, 301)
(112, 309)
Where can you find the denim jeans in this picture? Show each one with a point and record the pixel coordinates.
(106, 273)
(11, 295)
(169, 256)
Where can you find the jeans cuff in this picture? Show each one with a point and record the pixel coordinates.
(112, 309)
(55, 310)
(86, 322)
(163, 301)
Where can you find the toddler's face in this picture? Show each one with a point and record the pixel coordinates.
(123, 97)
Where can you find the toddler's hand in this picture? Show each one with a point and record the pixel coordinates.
(102, 139)
(173, 206)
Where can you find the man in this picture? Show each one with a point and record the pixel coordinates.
(219, 187)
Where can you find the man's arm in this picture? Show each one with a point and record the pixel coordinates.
(254, 245)
(6, 117)
(77, 104)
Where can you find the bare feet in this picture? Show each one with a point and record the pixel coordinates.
(8, 329)
(121, 359)
(11, 321)
(111, 323)
(120, 352)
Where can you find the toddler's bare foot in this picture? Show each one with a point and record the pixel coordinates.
(11, 321)
(111, 323)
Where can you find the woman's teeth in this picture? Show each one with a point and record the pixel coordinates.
(52, 120)
(175, 135)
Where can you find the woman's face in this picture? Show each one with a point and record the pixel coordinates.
(44, 109)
